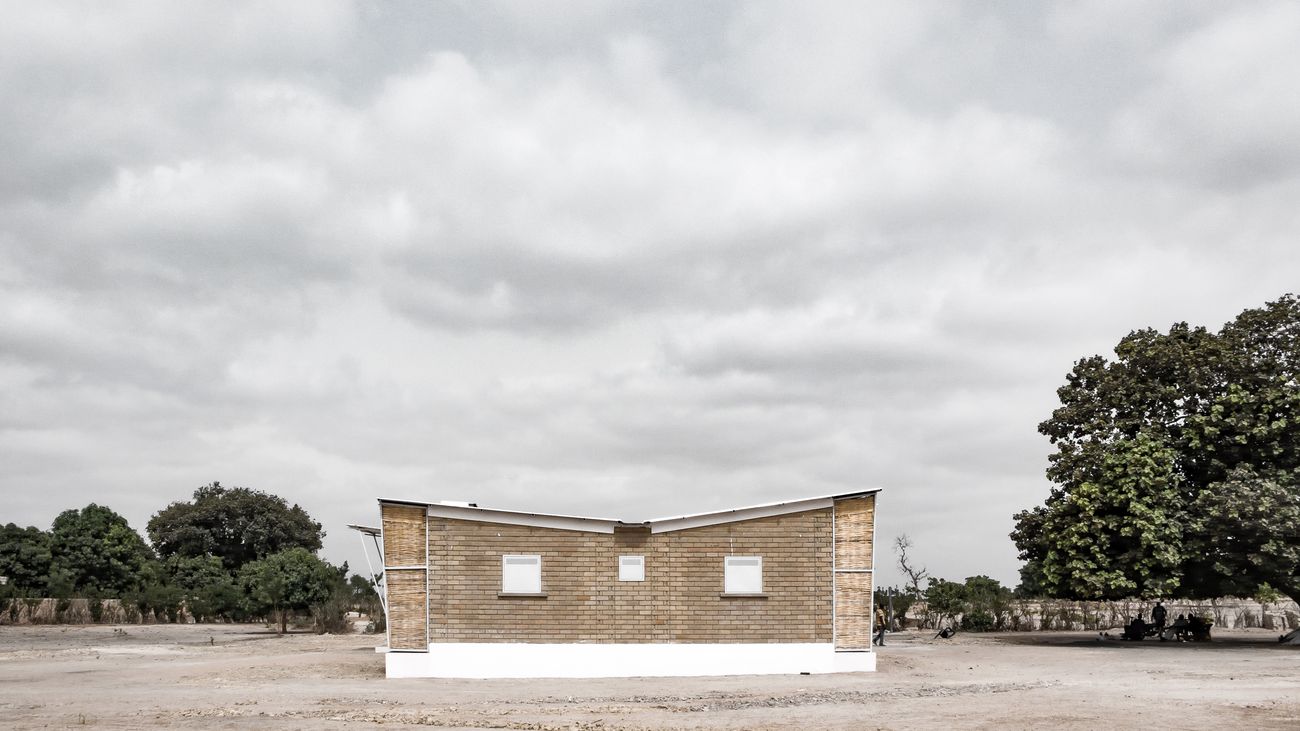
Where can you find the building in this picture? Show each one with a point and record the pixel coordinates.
(778, 588)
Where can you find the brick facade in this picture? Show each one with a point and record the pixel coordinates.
(679, 601)
(816, 581)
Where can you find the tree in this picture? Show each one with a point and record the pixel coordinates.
(945, 598)
(25, 558)
(1251, 527)
(1153, 447)
(291, 580)
(206, 588)
(97, 553)
(915, 574)
(237, 525)
(987, 602)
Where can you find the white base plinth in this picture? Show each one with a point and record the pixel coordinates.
(517, 660)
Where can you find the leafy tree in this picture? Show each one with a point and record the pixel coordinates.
(981, 601)
(208, 590)
(987, 602)
(237, 525)
(1177, 465)
(25, 558)
(291, 580)
(945, 598)
(94, 551)
(1251, 527)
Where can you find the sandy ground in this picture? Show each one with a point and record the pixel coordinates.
(238, 677)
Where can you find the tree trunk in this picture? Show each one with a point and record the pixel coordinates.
(284, 621)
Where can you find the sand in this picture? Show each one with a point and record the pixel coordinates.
(243, 677)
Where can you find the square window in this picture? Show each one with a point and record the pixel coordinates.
(521, 574)
(631, 568)
(744, 575)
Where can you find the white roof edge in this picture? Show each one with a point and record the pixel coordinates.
(607, 525)
(517, 517)
(774, 504)
(368, 530)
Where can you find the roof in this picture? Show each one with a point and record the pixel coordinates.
(471, 511)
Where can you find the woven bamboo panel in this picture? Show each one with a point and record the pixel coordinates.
(404, 535)
(853, 621)
(406, 609)
(855, 527)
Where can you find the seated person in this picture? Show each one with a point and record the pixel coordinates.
(1179, 628)
(1199, 628)
(1136, 630)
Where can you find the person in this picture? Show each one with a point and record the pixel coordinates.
(1198, 627)
(1180, 628)
(1137, 629)
(1158, 615)
(879, 639)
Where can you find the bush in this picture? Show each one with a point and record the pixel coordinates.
(978, 621)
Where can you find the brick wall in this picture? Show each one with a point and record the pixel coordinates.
(680, 600)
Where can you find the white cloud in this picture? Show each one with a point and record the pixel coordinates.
(622, 259)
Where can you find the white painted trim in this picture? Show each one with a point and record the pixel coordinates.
(470, 511)
(428, 635)
(872, 608)
(665, 525)
(835, 584)
(573, 660)
(535, 520)
(388, 618)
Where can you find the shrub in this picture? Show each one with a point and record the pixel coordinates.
(978, 621)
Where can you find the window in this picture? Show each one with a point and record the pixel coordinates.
(521, 574)
(744, 575)
(631, 568)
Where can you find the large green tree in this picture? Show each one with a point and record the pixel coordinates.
(25, 558)
(94, 551)
(237, 525)
(292, 580)
(205, 586)
(1177, 465)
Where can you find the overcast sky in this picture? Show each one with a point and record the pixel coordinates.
(624, 260)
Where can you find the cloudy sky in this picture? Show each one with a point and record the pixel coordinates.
(615, 259)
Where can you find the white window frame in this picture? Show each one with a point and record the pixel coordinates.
(631, 568)
(516, 579)
(742, 575)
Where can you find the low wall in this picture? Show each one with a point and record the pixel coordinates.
(1055, 614)
(79, 611)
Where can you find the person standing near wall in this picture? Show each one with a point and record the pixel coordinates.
(879, 639)
(1159, 615)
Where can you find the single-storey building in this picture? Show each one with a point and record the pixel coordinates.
(476, 592)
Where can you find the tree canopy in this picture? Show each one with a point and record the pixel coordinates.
(1176, 466)
(237, 525)
(25, 557)
(290, 580)
(94, 551)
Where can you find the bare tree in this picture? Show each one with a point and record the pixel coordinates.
(915, 574)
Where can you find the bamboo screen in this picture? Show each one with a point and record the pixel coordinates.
(855, 525)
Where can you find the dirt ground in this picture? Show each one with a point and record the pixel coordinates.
(241, 677)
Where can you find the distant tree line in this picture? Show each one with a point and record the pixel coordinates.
(979, 604)
(228, 554)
